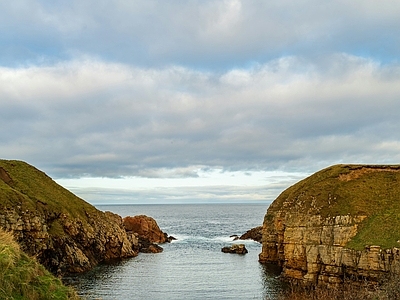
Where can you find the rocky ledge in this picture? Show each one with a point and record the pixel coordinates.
(341, 222)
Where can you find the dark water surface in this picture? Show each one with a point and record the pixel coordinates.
(193, 267)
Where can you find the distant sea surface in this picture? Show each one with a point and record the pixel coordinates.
(193, 266)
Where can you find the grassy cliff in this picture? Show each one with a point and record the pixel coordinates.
(369, 190)
(65, 233)
(25, 186)
(22, 277)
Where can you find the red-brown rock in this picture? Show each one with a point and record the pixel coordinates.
(146, 227)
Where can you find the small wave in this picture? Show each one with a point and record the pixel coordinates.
(180, 238)
(198, 239)
(225, 239)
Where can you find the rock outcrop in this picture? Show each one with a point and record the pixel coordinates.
(146, 227)
(64, 244)
(148, 232)
(254, 234)
(235, 249)
(340, 222)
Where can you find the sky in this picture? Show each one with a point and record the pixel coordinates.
(197, 101)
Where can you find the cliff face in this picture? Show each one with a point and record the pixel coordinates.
(65, 233)
(340, 222)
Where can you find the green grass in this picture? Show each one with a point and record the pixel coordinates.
(373, 191)
(22, 277)
(32, 189)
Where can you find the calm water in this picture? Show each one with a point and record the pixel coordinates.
(193, 267)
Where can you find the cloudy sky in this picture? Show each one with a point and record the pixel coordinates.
(152, 101)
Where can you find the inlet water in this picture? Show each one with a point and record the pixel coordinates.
(193, 266)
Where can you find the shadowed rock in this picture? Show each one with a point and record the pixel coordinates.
(235, 249)
(254, 234)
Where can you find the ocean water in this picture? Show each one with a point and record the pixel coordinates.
(193, 266)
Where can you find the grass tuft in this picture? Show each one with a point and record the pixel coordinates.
(22, 277)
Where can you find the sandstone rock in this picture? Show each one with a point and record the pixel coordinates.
(146, 227)
(235, 248)
(302, 234)
(148, 233)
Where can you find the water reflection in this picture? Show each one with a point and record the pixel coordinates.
(270, 277)
(99, 281)
(115, 280)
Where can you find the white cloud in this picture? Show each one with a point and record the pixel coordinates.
(206, 34)
(114, 120)
(164, 89)
(209, 186)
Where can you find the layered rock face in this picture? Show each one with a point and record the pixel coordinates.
(327, 227)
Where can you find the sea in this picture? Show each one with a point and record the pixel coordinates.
(193, 266)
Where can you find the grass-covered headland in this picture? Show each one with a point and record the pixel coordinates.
(62, 231)
(22, 277)
(367, 190)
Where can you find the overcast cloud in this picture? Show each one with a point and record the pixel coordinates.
(197, 90)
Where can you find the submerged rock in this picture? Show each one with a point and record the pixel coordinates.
(235, 249)
(234, 237)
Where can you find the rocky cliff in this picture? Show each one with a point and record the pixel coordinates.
(340, 222)
(65, 233)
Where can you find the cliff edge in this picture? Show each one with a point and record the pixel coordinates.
(64, 233)
(343, 221)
